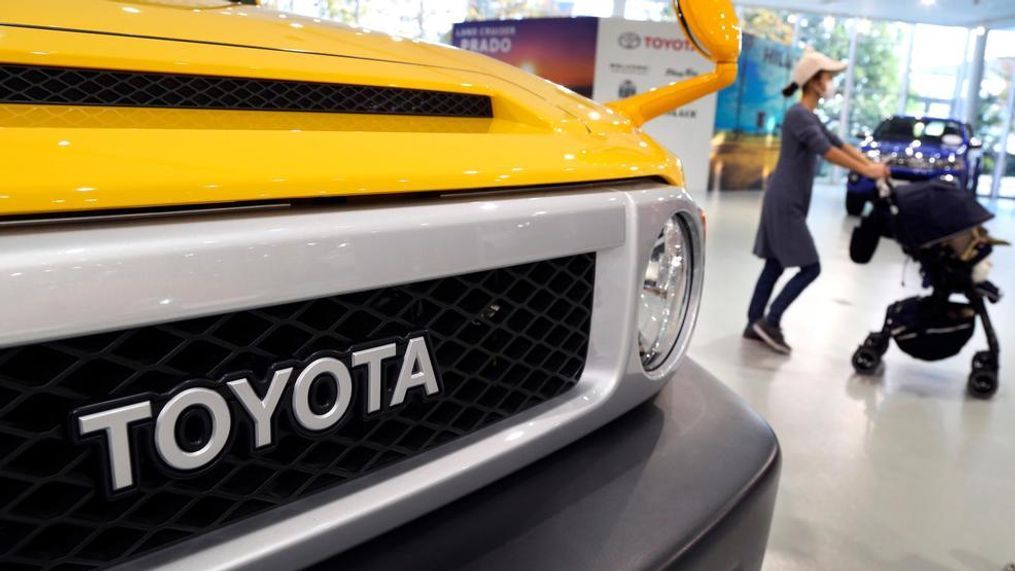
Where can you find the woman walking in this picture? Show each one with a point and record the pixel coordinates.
(783, 239)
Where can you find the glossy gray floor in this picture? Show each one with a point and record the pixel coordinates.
(900, 471)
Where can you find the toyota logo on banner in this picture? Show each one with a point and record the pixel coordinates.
(629, 41)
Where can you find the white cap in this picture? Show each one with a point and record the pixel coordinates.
(811, 64)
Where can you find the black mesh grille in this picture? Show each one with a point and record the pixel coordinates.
(74, 86)
(503, 340)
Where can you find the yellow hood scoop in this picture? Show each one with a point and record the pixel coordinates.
(49, 85)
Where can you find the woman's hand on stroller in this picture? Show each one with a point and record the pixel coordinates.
(877, 171)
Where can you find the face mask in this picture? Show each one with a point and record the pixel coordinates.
(982, 270)
(829, 90)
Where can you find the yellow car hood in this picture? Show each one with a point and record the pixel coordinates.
(73, 158)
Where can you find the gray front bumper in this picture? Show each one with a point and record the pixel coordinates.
(81, 278)
(687, 482)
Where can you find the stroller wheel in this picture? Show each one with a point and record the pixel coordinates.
(984, 360)
(866, 360)
(982, 384)
(876, 342)
(855, 203)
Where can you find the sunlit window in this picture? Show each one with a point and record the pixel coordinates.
(878, 72)
(775, 25)
(514, 9)
(652, 10)
(935, 72)
(995, 92)
(432, 19)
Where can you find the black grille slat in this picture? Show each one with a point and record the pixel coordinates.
(41, 85)
(497, 347)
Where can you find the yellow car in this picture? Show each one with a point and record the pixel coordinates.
(271, 287)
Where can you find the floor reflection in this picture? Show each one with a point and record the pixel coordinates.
(897, 471)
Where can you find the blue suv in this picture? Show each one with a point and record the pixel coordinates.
(917, 148)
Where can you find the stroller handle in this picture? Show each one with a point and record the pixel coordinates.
(885, 188)
(886, 193)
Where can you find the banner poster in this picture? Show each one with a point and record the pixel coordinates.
(562, 50)
(749, 116)
(633, 57)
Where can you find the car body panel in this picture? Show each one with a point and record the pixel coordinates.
(103, 158)
(919, 160)
(290, 210)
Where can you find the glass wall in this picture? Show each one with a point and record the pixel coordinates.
(993, 113)
(432, 19)
(936, 70)
(426, 19)
(652, 10)
(877, 70)
(878, 73)
(914, 69)
(830, 36)
(776, 25)
(509, 9)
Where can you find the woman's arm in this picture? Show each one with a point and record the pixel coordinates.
(858, 163)
(807, 129)
(854, 152)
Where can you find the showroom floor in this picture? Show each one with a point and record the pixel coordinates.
(901, 471)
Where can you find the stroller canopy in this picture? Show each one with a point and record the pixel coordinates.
(935, 210)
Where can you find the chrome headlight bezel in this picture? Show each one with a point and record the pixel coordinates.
(683, 298)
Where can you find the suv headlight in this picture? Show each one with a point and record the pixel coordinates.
(665, 294)
(920, 163)
(957, 163)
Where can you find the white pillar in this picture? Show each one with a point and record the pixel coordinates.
(847, 93)
(904, 95)
(419, 19)
(619, 8)
(958, 110)
(1002, 154)
(976, 78)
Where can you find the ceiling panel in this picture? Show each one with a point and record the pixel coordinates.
(992, 13)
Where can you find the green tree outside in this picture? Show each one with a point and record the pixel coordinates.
(768, 24)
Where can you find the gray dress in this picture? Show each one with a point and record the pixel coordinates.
(783, 234)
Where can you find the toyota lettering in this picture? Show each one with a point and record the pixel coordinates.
(196, 423)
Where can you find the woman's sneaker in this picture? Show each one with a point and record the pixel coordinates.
(772, 336)
(750, 335)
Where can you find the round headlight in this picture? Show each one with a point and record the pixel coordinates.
(665, 293)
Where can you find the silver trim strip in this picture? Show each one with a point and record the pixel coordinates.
(75, 279)
(141, 215)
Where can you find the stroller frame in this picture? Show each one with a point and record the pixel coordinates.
(983, 379)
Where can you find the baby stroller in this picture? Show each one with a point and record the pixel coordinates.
(938, 225)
